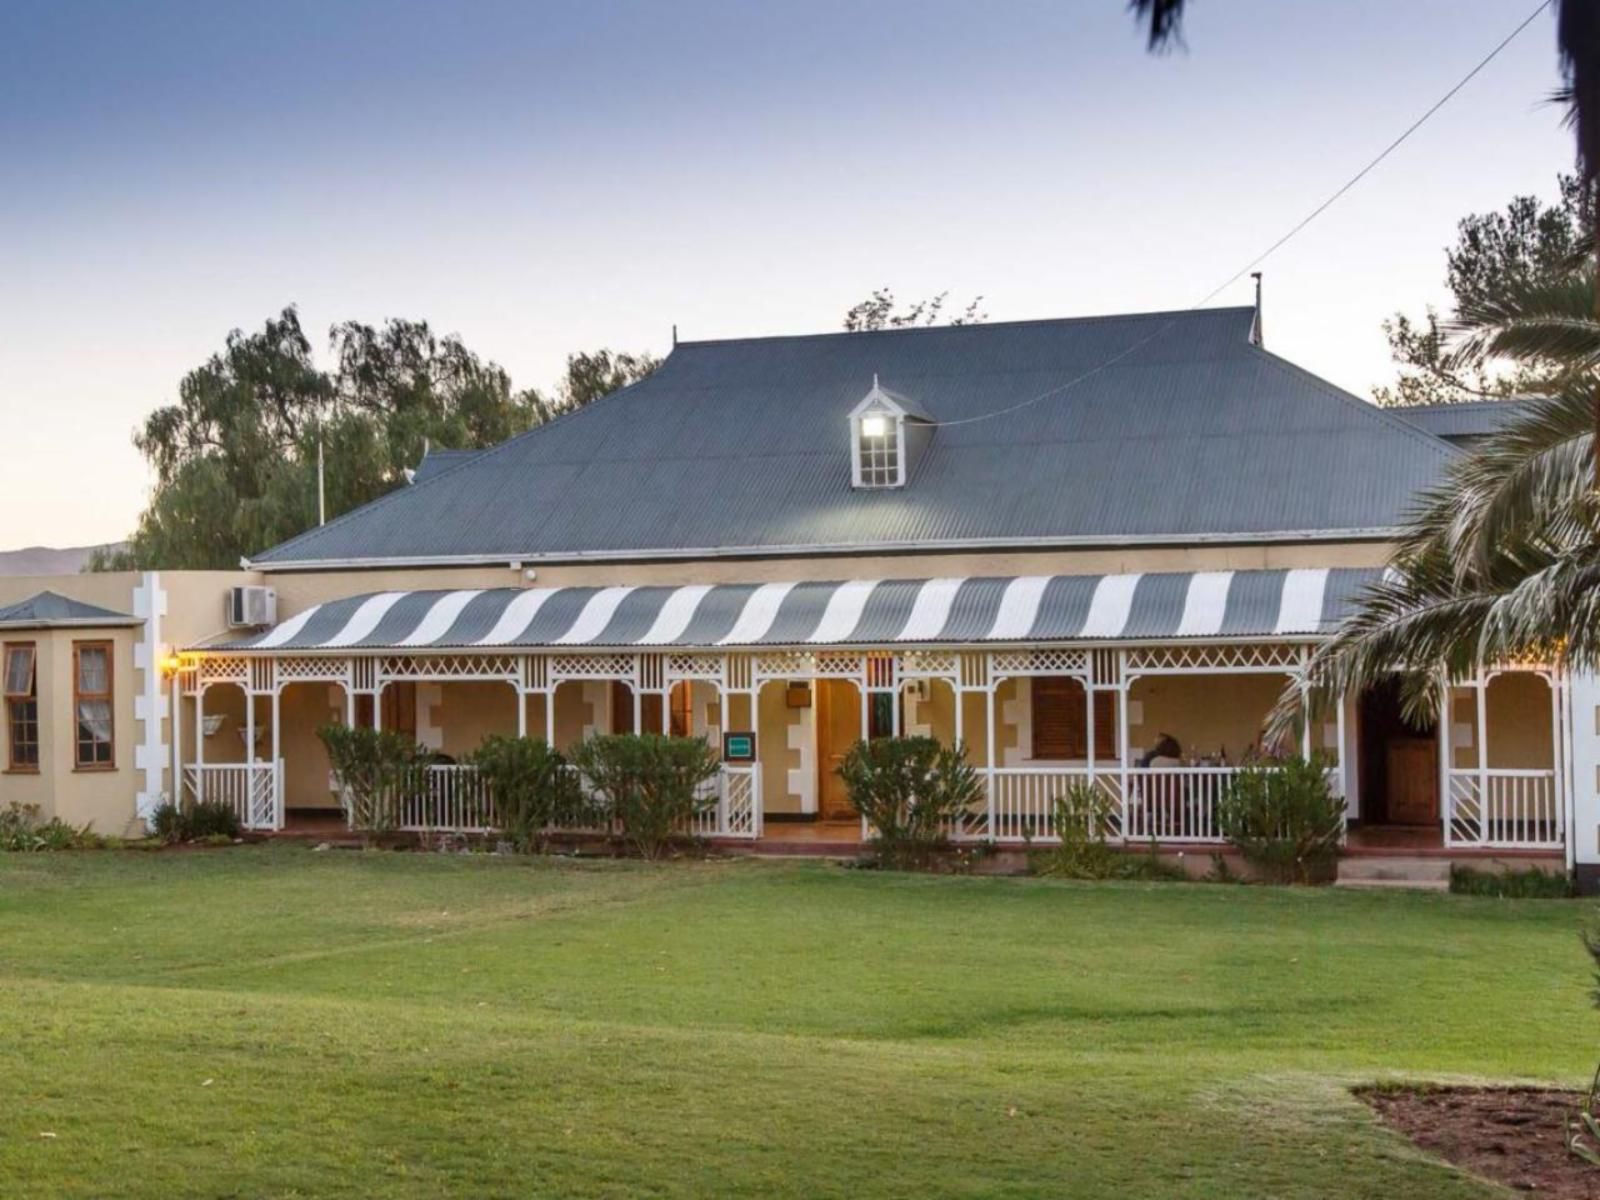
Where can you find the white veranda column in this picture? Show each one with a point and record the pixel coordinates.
(277, 751)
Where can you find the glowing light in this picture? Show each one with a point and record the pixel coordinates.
(171, 664)
(874, 427)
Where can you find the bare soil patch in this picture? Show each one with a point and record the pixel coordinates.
(1515, 1136)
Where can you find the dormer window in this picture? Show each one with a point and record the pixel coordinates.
(878, 448)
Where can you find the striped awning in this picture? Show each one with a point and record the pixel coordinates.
(1031, 608)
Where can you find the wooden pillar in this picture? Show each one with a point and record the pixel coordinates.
(522, 709)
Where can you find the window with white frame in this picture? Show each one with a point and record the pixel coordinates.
(880, 460)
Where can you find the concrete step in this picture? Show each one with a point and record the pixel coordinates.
(1408, 885)
(1429, 874)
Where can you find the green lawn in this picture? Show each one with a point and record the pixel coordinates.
(273, 1022)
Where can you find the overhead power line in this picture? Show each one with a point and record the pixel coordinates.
(1277, 245)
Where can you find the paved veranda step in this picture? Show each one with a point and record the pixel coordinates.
(1423, 874)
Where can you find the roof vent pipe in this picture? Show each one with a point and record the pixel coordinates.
(1255, 325)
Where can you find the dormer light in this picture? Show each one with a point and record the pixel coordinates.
(879, 452)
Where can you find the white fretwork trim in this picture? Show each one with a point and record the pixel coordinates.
(1227, 658)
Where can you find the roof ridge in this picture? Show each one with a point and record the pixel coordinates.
(1369, 409)
(1103, 318)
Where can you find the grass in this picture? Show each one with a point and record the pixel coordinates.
(270, 1022)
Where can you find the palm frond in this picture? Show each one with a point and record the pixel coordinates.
(1529, 480)
(1541, 321)
(1164, 20)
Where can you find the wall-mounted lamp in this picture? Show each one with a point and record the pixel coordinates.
(171, 664)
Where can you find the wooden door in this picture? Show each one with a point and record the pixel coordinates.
(838, 728)
(1413, 789)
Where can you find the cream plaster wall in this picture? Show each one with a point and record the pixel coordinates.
(1517, 710)
(1205, 713)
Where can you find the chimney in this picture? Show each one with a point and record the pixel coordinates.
(1255, 325)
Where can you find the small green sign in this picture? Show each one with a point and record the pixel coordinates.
(738, 747)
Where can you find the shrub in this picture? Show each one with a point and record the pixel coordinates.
(376, 770)
(649, 784)
(167, 822)
(209, 819)
(1284, 819)
(1081, 816)
(910, 790)
(533, 788)
(22, 830)
(1531, 884)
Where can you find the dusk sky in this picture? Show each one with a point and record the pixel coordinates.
(542, 178)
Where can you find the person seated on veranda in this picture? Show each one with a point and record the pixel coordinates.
(1165, 753)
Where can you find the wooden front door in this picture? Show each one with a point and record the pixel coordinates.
(838, 728)
(1413, 781)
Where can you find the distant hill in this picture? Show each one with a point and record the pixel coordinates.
(45, 560)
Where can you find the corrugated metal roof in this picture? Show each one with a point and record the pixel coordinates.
(1461, 422)
(48, 609)
(743, 446)
(436, 462)
(851, 612)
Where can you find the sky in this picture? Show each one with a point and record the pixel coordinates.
(548, 177)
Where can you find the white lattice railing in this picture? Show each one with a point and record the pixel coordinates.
(1521, 810)
(1164, 804)
(457, 800)
(1175, 804)
(254, 791)
(1023, 802)
(737, 811)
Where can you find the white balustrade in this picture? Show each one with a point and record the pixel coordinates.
(457, 800)
(1175, 804)
(1516, 810)
(253, 791)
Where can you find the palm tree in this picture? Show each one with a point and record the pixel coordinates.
(1500, 561)
(1578, 55)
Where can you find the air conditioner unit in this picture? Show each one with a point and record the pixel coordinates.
(252, 607)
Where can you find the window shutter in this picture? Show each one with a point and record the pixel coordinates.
(1105, 727)
(1060, 718)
